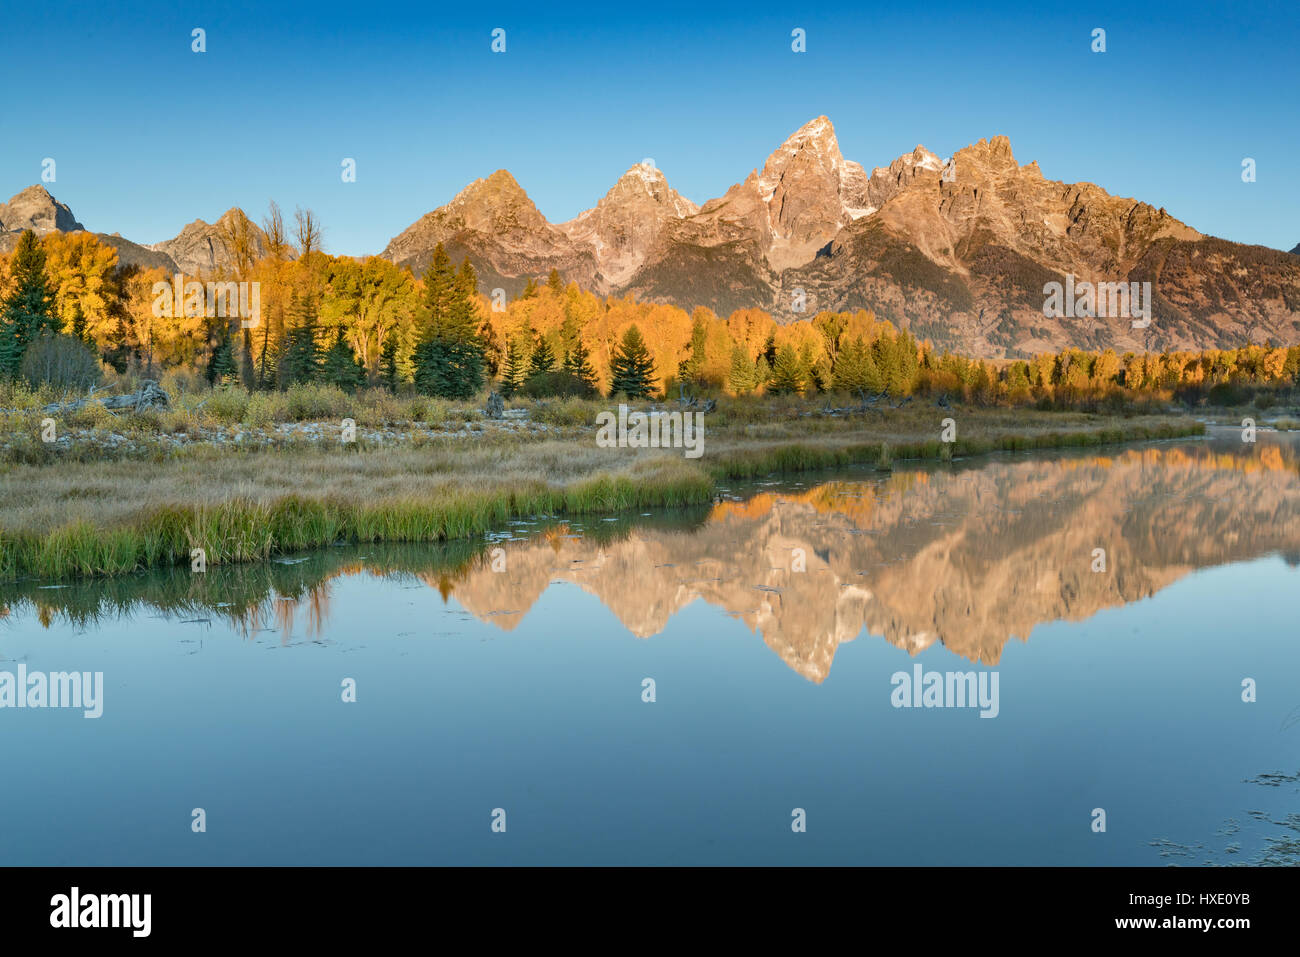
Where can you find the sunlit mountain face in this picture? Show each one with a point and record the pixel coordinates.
(966, 557)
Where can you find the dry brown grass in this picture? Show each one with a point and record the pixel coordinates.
(36, 499)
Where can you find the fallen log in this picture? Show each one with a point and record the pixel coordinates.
(150, 395)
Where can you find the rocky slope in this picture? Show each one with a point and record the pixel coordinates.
(958, 250)
(35, 209)
(494, 223)
(198, 250)
(628, 224)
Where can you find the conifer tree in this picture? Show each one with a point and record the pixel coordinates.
(493, 354)
(388, 373)
(514, 367)
(449, 358)
(632, 367)
(28, 309)
(302, 358)
(223, 367)
(577, 363)
(247, 373)
(691, 367)
(543, 357)
(79, 330)
(855, 370)
(743, 377)
(554, 282)
(787, 372)
(341, 367)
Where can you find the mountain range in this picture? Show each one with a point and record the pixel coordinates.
(957, 250)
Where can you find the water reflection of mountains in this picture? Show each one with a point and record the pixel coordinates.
(967, 557)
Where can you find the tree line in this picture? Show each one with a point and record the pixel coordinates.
(67, 306)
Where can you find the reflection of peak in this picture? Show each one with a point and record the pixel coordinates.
(970, 559)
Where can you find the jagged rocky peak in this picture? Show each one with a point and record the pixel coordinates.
(956, 248)
(496, 187)
(919, 158)
(888, 181)
(811, 156)
(35, 209)
(629, 221)
(645, 180)
(497, 203)
(993, 155)
(810, 191)
(199, 249)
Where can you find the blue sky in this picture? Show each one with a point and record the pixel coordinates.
(148, 136)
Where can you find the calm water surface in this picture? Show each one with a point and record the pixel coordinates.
(771, 624)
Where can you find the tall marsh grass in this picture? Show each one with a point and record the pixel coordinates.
(261, 510)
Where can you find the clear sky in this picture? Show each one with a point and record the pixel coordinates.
(148, 136)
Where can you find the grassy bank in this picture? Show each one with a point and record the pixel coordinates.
(75, 517)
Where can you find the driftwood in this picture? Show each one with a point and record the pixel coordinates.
(869, 403)
(693, 402)
(149, 396)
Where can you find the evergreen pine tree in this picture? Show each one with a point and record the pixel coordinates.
(388, 373)
(570, 331)
(513, 369)
(690, 369)
(743, 377)
(816, 370)
(223, 367)
(301, 361)
(341, 366)
(632, 368)
(449, 359)
(79, 330)
(885, 354)
(787, 372)
(855, 370)
(577, 363)
(493, 354)
(247, 372)
(543, 357)
(28, 310)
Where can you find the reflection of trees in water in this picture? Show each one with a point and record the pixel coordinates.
(969, 555)
(283, 595)
(1279, 843)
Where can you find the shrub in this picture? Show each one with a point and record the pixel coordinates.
(60, 361)
(92, 415)
(227, 404)
(567, 412)
(1227, 393)
(177, 382)
(559, 384)
(311, 401)
(265, 409)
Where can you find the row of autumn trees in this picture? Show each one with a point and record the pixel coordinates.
(366, 322)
